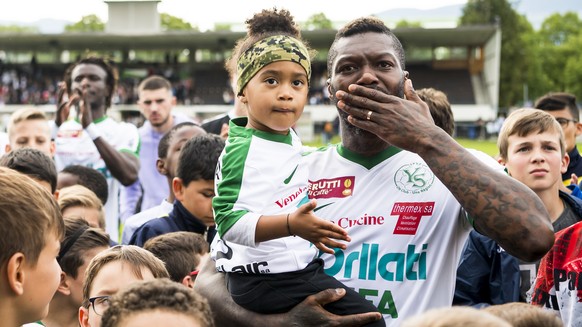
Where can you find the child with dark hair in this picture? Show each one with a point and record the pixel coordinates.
(181, 252)
(169, 150)
(261, 185)
(193, 188)
(81, 243)
(159, 302)
(34, 163)
(562, 106)
(85, 176)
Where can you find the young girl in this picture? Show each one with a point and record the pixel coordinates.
(261, 198)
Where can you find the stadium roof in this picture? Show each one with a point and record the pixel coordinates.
(419, 37)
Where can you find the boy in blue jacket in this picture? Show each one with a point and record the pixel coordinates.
(532, 149)
(193, 188)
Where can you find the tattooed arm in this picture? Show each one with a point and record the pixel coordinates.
(501, 207)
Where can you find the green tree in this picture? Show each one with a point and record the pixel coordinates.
(405, 23)
(516, 53)
(18, 29)
(560, 43)
(90, 23)
(173, 23)
(318, 22)
(222, 27)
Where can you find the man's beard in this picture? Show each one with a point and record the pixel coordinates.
(352, 129)
(160, 124)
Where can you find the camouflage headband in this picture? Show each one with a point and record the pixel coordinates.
(268, 50)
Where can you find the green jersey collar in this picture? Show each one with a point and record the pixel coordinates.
(367, 162)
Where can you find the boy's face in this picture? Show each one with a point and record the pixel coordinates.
(41, 280)
(112, 277)
(571, 129)
(180, 137)
(536, 160)
(276, 97)
(76, 284)
(34, 134)
(196, 198)
(91, 215)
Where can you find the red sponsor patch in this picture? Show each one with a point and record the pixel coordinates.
(340, 187)
(409, 215)
(70, 134)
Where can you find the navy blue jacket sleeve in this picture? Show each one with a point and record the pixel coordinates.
(144, 233)
(486, 274)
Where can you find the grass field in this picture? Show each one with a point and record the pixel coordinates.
(487, 146)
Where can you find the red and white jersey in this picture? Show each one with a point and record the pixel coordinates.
(407, 229)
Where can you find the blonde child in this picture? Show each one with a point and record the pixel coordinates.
(110, 271)
(29, 128)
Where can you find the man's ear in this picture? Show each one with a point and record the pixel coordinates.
(16, 273)
(7, 148)
(406, 74)
(178, 187)
(52, 149)
(161, 167)
(188, 282)
(64, 287)
(331, 95)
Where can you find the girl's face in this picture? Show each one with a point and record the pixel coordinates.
(275, 97)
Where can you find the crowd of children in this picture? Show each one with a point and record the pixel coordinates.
(256, 227)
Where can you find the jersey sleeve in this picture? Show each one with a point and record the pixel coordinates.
(240, 194)
(131, 141)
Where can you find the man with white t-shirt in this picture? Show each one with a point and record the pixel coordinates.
(87, 136)
(406, 192)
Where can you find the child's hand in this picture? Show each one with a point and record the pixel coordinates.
(573, 179)
(305, 224)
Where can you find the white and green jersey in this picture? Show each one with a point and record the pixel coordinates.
(75, 147)
(407, 229)
(258, 173)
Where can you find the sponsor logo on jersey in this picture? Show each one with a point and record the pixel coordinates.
(409, 215)
(288, 179)
(372, 265)
(253, 268)
(283, 202)
(413, 178)
(365, 220)
(70, 133)
(340, 187)
(224, 255)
